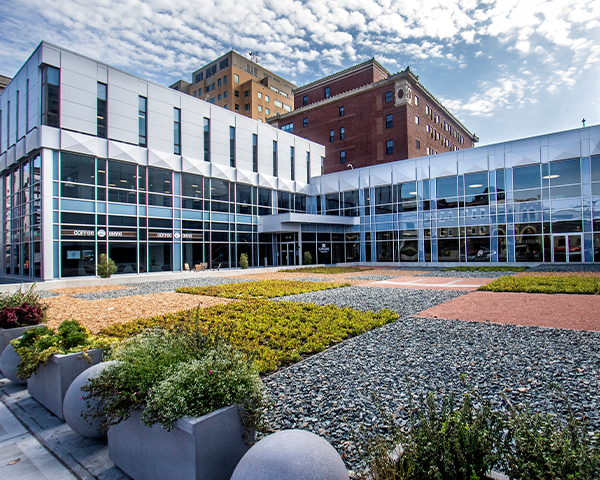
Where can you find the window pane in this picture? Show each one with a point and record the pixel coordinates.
(191, 185)
(565, 173)
(159, 181)
(527, 177)
(77, 168)
(121, 175)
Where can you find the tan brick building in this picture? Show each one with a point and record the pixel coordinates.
(365, 116)
(236, 83)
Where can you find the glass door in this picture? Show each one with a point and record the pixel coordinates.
(566, 248)
(288, 255)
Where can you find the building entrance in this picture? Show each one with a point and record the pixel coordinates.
(566, 248)
(287, 254)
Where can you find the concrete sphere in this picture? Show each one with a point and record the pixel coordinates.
(9, 362)
(74, 405)
(291, 455)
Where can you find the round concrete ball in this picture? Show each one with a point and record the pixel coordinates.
(9, 362)
(291, 455)
(74, 405)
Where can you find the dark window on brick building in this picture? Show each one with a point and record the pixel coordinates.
(305, 122)
(331, 135)
(389, 96)
(342, 133)
(389, 147)
(305, 100)
(326, 92)
(418, 143)
(389, 121)
(343, 156)
(341, 111)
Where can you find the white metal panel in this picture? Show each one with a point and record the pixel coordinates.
(77, 142)
(142, 88)
(160, 119)
(219, 141)
(34, 99)
(79, 118)
(50, 56)
(117, 78)
(33, 141)
(122, 119)
(164, 160)
(102, 73)
(50, 137)
(126, 152)
(195, 166)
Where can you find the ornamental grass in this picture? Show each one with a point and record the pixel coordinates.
(575, 285)
(261, 289)
(273, 334)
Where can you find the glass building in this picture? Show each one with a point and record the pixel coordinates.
(94, 160)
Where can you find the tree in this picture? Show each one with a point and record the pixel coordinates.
(106, 267)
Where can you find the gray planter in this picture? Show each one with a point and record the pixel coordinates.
(8, 334)
(51, 381)
(207, 447)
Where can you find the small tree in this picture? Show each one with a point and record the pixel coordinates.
(106, 267)
(244, 260)
(307, 258)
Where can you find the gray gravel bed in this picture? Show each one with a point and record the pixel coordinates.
(330, 393)
(402, 301)
(47, 294)
(158, 287)
(461, 274)
(373, 278)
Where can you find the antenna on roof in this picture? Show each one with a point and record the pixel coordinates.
(583, 121)
(254, 57)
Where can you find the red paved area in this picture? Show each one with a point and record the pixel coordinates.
(432, 283)
(577, 312)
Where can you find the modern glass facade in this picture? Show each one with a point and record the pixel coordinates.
(70, 194)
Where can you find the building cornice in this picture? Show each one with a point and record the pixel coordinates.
(342, 74)
(405, 74)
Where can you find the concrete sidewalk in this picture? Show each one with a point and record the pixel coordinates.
(35, 444)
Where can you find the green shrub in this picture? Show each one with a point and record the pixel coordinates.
(326, 270)
(21, 309)
(443, 441)
(307, 258)
(37, 345)
(574, 284)
(464, 442)
(484, 269)
(541, 446)
(106, 266)
(261, 289)
(244, 260)
(170, 375)
(272, 333)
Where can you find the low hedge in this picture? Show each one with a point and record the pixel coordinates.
(576, 285)
(326, 270)
(272, 333)
(485, 269)
(262, 289)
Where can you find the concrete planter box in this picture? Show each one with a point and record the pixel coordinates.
(51, 381)
(207, 447)
(8, 334)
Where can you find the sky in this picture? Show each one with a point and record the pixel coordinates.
(507, 69)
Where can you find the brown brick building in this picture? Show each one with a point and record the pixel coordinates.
(236, 83)
(366, 116)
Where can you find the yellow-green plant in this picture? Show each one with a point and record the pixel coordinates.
(261, 289)
(244, 260)
(272, 333)
(571, 284)
(37, 345)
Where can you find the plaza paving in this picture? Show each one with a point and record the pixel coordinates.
(36, 444)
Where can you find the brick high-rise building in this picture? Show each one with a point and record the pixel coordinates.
(236, 83)
(365, 116)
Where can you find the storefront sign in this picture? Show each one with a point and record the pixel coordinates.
(160, 235)
(69, 232)
(324, 248)
(192, 236)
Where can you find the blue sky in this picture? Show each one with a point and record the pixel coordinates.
(507, 69)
